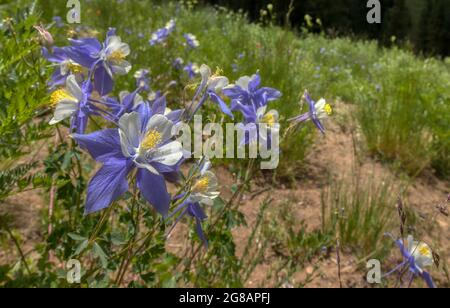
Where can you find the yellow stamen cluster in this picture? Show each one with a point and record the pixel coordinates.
(425, 251)
(269, 119)
(75, 68)
(151, 140)
(71, 33)
(192, 86)
(201, 185)
(218, 73)
(60, 95)
(116, 56)
(328, 109)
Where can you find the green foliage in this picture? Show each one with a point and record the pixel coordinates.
(23, 80)
(22, 92)
(406, 119)
(360, 214)
(18, 179)
(293, 245)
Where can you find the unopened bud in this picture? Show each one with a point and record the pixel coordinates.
(45, 36)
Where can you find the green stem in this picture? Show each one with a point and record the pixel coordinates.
(100, 224)
(129, 251)
(218, 222)
(19, 249)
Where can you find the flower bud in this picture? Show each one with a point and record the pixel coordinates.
(45, 36)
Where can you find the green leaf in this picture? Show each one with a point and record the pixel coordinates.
(67, 161)
(234, 188)
(100, 253)
(219, 204)
(117, 239)
(83, 245)
(76, 237)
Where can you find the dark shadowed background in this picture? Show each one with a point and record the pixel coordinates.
(423, 24)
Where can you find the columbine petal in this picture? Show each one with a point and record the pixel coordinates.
(102, 145)
(261, 112)
(121, 69)
(223, 106)
(244, 82)
(159, 105)
(205, 72)
(65, 109)
(175, 116)
(270, 94)
(153, 188)
(169, 154)
(115, 44)
(320, 105)
(254, 83)
(103, 81)
(84, 51)
(73, 88)
(428, 280)
(232, 91)
(200, 232)
(197, 211)
(319, 125)
(129, 132)
(205, 165)
(107, 185)
(217, 84)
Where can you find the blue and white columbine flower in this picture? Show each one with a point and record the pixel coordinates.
(270, 119)
(72, 102)
(64, 66)
(204, 191)
(142, 79)
(252, 128)
(192, 70)
(161, 35)
(191, 41)
(143, 141)
(210, 88)
(104, 60)
(66, 100)
(112, 62)
(317, 112)
(178, 63)
(417, 256)
(247, 96)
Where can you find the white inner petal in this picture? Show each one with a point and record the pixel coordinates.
(73, 88)
(65, 109)
(243, 82)
(169, 154)
(129, 132)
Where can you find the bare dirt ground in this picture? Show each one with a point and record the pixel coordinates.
(337, 155)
